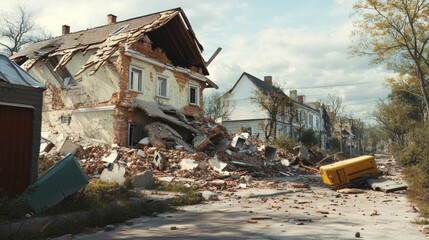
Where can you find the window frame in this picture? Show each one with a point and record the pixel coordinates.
(139, 81)
(62, 73)
(160, 77)
(197, 95)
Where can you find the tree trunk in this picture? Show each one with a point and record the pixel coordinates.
(423, 87)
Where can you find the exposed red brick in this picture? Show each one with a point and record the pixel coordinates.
(147, 50)
(55, 93)
(123, 100)
(182, 79)
(191, 110)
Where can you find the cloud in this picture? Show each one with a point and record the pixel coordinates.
(303, 45)
(305, 58)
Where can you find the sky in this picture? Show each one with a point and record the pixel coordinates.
(302, 44)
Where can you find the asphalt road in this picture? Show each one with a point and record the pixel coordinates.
(273, 209)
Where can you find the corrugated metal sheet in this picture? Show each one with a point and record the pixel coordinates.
(16, 130)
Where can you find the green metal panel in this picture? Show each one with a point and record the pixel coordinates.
(60, 181)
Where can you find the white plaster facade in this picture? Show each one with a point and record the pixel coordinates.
(248, 114)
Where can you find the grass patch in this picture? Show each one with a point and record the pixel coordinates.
(13, 209)
(96, 206)
(187, 199)
(95, 195)
(174, 187)
(418, 189)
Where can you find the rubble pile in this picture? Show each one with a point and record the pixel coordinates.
(199, 152)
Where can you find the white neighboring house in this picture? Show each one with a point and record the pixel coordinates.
(247, 115)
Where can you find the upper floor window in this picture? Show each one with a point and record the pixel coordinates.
(194, 95)
(310, 119)
(61, 73)
(162, 89)
(317, 123)
(136, 79)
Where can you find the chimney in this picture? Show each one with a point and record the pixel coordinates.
(268, 80)
(293, 94)
(66, 29)
(111, 19)
(301, 99)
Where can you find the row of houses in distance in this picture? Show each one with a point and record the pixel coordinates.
(246, 114)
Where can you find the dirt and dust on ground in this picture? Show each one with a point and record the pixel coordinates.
(295, 207)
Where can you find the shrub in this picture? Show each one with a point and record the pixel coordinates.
(285, 143)
(309, 138)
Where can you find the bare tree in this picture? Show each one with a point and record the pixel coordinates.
(335, 108)
(18, 29)
(275, 103)
(215, 106)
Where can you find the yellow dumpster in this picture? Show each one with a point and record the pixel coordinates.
(343, 173)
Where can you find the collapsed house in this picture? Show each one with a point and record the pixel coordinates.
(101, 80)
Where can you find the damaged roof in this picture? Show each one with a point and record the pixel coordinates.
(169, 30)
(10, 72)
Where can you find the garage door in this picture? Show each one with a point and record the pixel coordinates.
(16, 129)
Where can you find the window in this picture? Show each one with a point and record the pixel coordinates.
(162, 87)
(310, 119)
(136, 79)
(317, 123)
(120, 29)
(61, 73)
(65, 119)
(194, 95)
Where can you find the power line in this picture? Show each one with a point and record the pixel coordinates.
(335, 85)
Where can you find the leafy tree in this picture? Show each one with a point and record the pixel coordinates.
(275, 103)
(309, 138)
(373, 138)
(215, 106)
(395, 32)
(394, 121)
(17, 29)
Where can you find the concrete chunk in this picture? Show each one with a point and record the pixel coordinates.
(238, 141)
(210, 196)
(271, 153)
(111, 158)
(144, 141)
(141, 153)
(385, 185)
(303, 153)
(67, 146)
(159, 161)
(200, 142)
(114, 174)
(188, 164)
(143, 180)
(285, 162)
(216, 164)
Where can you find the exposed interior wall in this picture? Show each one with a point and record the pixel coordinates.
(60, 102)
(109, 86)
(177, 90)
